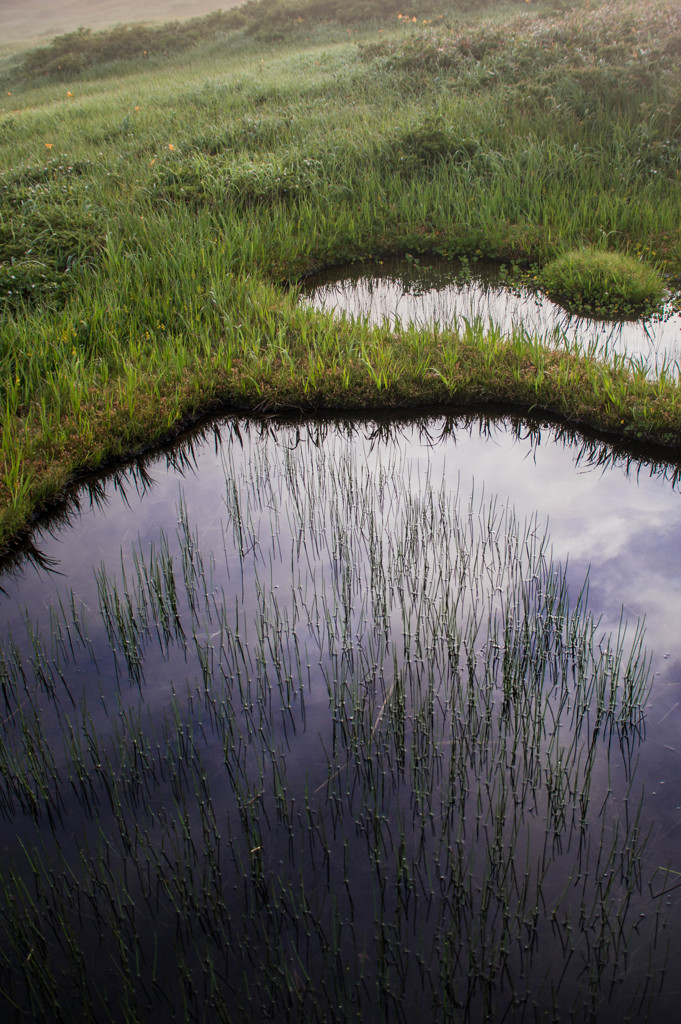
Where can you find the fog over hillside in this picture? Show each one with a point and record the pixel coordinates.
(42, 19)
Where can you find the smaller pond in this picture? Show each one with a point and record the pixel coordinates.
(447, 293)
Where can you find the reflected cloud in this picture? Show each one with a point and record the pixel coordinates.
(536, 463)
(450, 295)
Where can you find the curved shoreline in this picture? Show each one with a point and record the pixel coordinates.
(637, 446)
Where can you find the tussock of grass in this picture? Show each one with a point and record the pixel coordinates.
(597, 282)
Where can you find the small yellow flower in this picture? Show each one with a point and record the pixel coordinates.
(152, 162)
(137, 107)
(73, 351)
(69, 94)
(170, 146)
(49, 145)
(413, 19)
(9, 93)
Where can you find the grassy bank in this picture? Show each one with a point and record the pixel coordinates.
(155, 206)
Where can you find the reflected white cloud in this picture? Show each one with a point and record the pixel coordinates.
(623, 529)
(427, 294)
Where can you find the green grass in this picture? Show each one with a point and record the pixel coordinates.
(154, 210)
(598, 282)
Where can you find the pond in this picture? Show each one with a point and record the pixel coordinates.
(347, 720)
(447, 292)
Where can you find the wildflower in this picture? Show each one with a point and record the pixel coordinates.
(170, 146)
(69, 94)
(73, 351)
(413, 19)
(137, 107)
(9, 93)
(152, 162)
(49, 145)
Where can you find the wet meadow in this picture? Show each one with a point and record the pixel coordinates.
(354, 714)
(276, 140)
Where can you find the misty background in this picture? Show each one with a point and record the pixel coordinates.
(42, 19)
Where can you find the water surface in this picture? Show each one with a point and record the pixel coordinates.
(264, 754)
(447, 293)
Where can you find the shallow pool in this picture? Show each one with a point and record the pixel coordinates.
(348, 720)
(447, 293)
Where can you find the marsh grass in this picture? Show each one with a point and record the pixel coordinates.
(372, 757)
(151, 216)
(598, 282)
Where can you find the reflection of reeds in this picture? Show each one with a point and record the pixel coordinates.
(134, 480)
(366, 765)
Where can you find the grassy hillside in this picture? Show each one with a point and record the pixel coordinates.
(160, 186)
(24, 20)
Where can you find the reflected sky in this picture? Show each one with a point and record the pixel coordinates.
(607, 515)
(619, 522)
(441, 293)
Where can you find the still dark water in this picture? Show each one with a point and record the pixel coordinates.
(344, 721)
(448, 294)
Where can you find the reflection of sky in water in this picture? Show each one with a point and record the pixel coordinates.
(426, 294)
(621, 526)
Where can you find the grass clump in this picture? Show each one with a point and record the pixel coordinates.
(598, 282)
(49, 227)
